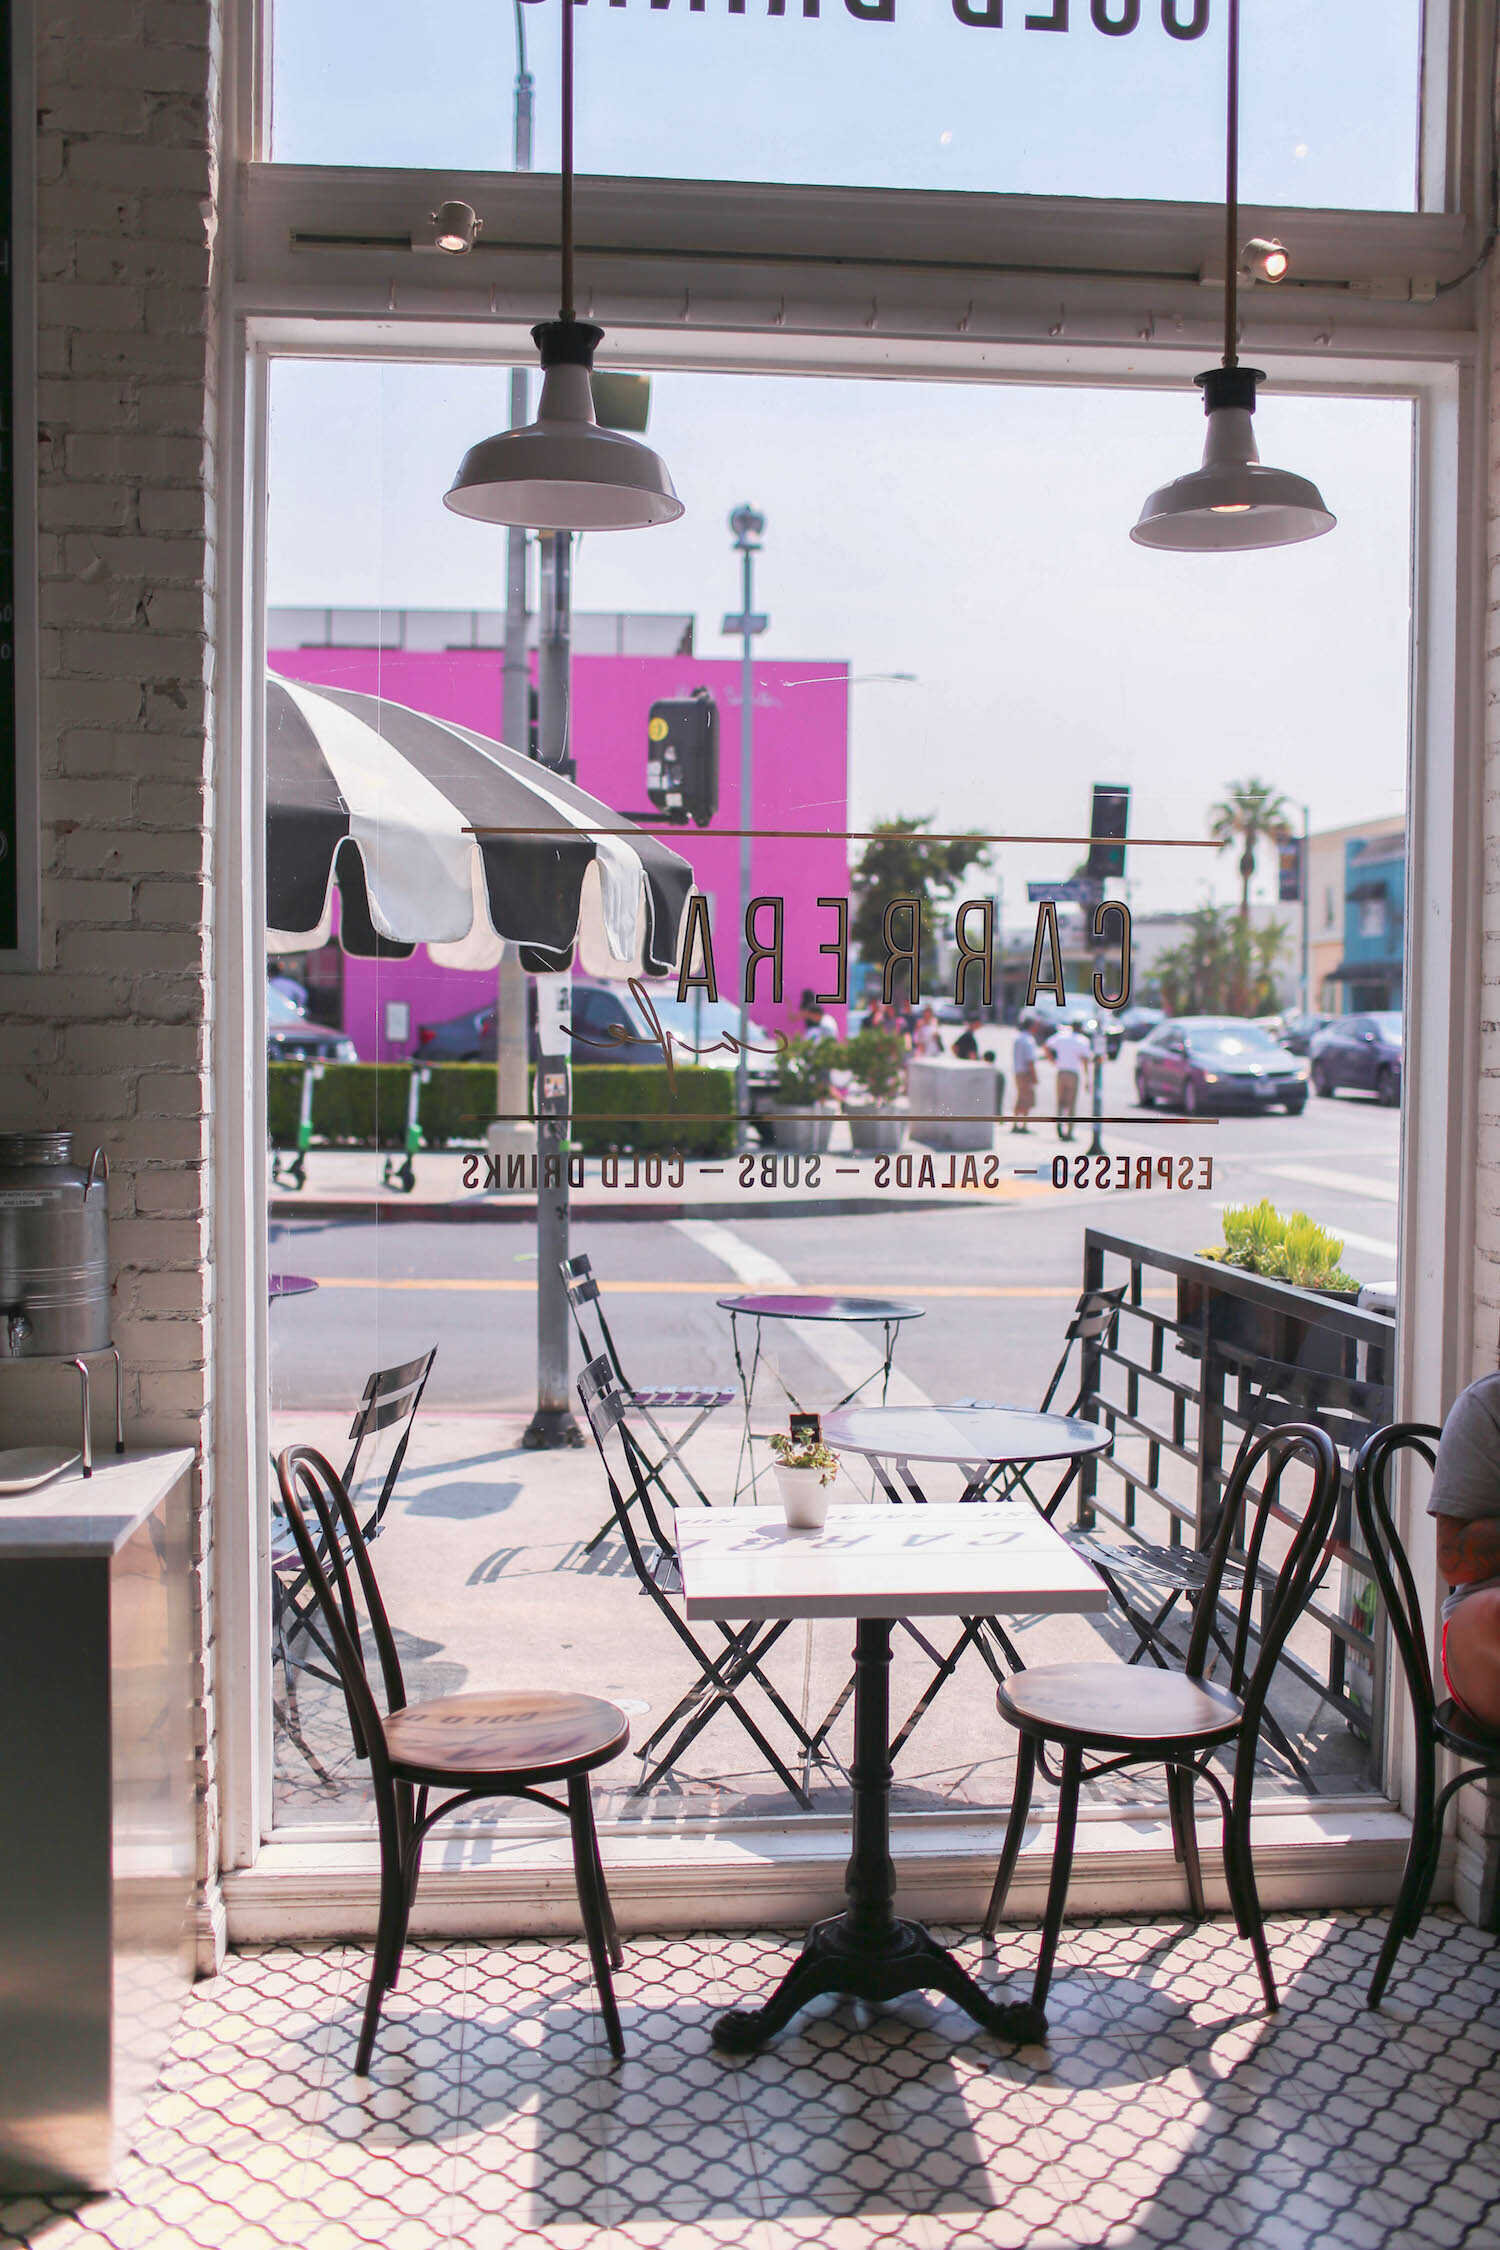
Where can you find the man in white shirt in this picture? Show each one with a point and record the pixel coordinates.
(1071, 1052)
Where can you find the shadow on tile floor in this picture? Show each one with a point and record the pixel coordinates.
(1166, 2109)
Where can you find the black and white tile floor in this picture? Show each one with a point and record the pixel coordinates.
(1167, 2109)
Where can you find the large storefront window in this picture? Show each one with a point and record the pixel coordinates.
(1036, 97)
(960, 635)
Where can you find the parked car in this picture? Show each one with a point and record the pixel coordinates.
(291, 1037)
(1138, 1021)
(601, 1010)
(1218, 1062)
(1300, 1028)
(1363, 1052)
(597, 1008)
(466, 1038)
(1083, 1015)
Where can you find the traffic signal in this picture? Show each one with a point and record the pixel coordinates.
(1289, 870)
(1107, 831)
(682, 757)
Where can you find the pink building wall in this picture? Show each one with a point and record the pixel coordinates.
(801, 782)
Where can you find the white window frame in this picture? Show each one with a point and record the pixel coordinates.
(904, 287)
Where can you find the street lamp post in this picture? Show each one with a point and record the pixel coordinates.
(508, 1136)
(749, 529)
(1304, 886)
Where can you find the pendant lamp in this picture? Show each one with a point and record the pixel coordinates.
(562, 472)
(1233, 501)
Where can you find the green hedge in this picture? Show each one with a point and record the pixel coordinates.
(634, 1106)
(625, 1106)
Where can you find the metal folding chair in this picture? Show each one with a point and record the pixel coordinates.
(722, 1676)
(1090, 1331)
(698, 1399)
(388, 1403)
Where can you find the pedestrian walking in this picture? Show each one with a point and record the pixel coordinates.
(1070, 1051)
(1023, 1063)
(926, 1038)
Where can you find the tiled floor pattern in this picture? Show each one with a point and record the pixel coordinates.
(1166, 2110)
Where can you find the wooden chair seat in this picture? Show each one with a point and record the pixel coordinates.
(471, 1739)
(1115, 1706)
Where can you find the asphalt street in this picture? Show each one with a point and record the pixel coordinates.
(994, 1276)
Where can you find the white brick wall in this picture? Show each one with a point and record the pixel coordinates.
(112, 1036)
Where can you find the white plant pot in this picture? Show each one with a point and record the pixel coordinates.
(804, 1497)
(875, 1136)
(802, 1132)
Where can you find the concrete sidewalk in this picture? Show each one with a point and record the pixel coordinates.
(765, 1183)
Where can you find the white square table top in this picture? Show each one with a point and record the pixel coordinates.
(974, 1560)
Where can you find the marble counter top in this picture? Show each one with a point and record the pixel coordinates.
(76, 1516)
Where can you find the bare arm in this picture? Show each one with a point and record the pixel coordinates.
(1468, 1550)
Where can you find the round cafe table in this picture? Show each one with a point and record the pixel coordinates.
(889, 1314)
(977, 1439)
(281, 1285)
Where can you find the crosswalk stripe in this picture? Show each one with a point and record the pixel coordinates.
(1352, 1183)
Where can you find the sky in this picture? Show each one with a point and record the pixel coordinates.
(1329, 94)
(975, 535)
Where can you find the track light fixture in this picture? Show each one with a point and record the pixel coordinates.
(455, 227)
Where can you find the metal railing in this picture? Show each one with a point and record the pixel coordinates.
(1188, 1370)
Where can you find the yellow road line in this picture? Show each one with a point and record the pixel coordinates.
(724, 1288)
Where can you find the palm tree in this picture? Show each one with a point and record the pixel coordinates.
(1250, 813)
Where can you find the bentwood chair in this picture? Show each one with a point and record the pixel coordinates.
(507, 1744)
(722, 1675)
(1103, 1717)
(1438, 1726)
(700, 1400)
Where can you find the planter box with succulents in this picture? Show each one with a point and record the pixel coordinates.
(1294, 1259)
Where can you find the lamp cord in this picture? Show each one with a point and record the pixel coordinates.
(1231, 195)
(567, 158)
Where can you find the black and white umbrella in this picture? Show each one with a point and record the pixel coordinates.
(437, 836)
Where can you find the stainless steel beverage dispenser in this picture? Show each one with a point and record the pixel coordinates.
(54, 1260)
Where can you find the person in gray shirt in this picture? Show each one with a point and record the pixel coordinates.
(1466, 1501)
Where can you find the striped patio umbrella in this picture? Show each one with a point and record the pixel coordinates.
(385, 803)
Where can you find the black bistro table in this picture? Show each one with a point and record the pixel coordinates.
(980, 1441)
(888, 1314)
(878, 1566)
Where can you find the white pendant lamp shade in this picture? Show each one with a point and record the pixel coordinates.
(1234, 501)
(562, 472)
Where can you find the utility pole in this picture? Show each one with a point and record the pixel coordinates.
(552, 1424)
(749, 529)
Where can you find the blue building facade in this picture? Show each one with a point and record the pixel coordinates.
(1370, 973)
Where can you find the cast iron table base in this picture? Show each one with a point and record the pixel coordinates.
(868, 1951)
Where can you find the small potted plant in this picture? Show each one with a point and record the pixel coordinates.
(803, 1119)
(805, 1470)
(876, 1062)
